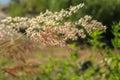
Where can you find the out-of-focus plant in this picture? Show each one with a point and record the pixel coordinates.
(96, 37)
(16, 8)
(105, 11)
(116, 33)
(33, 7)
(110, 57)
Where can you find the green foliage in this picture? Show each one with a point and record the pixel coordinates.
(16, 9)
(116, 33)
(33, 7)
(105, 11)
(95, 39)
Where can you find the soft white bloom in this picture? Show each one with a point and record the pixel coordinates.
(49, 28)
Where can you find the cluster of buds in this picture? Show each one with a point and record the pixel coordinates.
(50, 28)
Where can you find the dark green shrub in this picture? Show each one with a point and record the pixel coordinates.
(105, 11)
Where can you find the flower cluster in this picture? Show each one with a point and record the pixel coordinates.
(90, 24)
(7, 33)
(50, 28)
